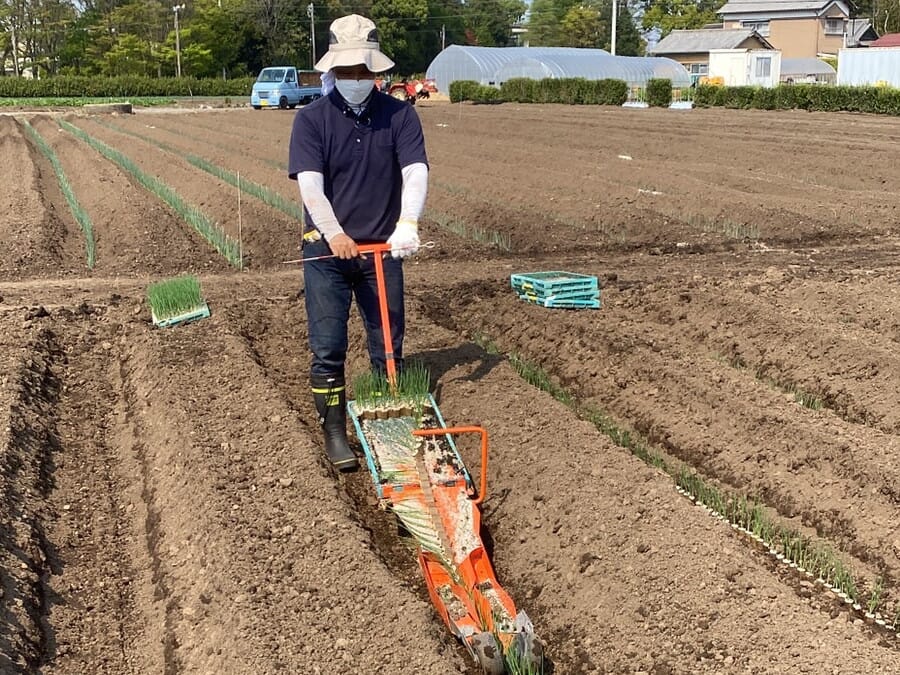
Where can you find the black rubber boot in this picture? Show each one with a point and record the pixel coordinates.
(331, 404)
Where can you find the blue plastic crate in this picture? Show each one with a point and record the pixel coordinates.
(568, 303)
(545, 283)
(561, 295)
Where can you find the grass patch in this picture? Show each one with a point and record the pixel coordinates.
(227, 246)
(459, 227)
(372, 391)
(804, 398)
(77, 101)
(726, 228)
(174, 297)
(80, 215)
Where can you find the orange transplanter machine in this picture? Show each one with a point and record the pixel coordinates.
(420, 476)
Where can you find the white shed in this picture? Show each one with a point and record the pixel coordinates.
(742, 67)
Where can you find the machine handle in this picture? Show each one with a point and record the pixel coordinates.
(390, 364)
(482, 491)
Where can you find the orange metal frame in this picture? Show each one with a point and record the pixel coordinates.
(482, 489)
(475, 570)
(377, 250)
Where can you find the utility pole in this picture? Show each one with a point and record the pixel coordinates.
(176, 9)
(311, 13)
(443, 36)
(613, 30)
(15, 51)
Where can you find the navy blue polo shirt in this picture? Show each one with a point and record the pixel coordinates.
(360, 158)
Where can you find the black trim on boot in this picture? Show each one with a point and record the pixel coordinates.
(330, 396)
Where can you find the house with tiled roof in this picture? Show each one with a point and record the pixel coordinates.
(798, 28)
(691, 48)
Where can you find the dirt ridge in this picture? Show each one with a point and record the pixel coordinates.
(27, 469)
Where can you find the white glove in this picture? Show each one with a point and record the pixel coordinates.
(405, 240)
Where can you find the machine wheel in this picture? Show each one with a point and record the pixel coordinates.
(257, 107)
(283, 103)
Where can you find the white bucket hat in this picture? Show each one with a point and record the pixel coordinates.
(352, 41)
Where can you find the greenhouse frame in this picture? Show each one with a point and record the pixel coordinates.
(495, 65)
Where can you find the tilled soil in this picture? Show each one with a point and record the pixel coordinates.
(40, 236)
(263, 230)
(167, 508)
(135, 232)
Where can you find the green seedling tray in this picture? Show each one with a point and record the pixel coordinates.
(201, 312)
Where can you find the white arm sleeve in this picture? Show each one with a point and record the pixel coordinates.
(312, 192)
(415, 189)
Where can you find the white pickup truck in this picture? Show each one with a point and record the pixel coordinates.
(285, 87)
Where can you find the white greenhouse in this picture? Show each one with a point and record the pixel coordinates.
(495, 65)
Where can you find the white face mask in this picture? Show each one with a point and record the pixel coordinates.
(355, 92)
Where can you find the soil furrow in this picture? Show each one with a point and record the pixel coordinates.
(554, 481)
(276, 336)
(30, 443)
(269, 236)
(39, 234)
(708, 414)
(95, 621)
(135, 232)
(260, 560)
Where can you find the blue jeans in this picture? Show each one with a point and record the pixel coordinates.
(331, 285)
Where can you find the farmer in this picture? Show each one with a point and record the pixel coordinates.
(358, 156)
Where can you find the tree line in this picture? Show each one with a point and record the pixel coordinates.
(236, 38)
(229, 38)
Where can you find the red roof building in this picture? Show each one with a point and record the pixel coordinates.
(887, 40)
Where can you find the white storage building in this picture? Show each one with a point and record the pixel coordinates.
(743, 67)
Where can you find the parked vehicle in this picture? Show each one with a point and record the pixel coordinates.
(285, 87)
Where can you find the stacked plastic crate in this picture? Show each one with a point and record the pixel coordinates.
(558, 289)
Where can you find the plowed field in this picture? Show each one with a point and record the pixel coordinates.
(165, 503)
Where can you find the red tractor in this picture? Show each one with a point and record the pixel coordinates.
(411, 90)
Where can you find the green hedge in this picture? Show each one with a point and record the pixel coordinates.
(486, 94)
(826, 98)
(550, 90)
(462, 90)
(659, 92)
(98, 87)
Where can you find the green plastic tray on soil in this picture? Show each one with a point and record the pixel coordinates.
(564, 304)
(543, 283)
(201, 312)
(560, 295)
